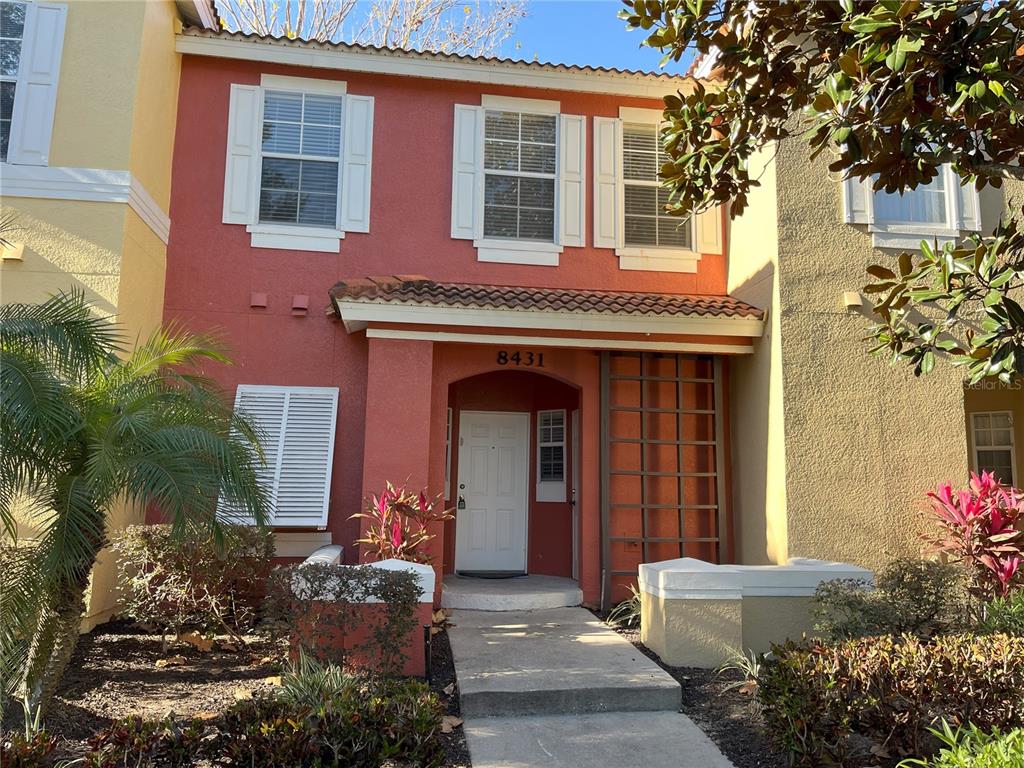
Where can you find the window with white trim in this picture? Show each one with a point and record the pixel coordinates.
(646, 223)
(12, 30)
(517, 179)
(941, 210)
(519, 175)
(296, 426)
(298, 162)
(551, 455)
(301, 158)
(992, 441)
(31, 43)
(629, 200)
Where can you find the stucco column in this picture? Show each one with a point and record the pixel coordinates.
(399, 384)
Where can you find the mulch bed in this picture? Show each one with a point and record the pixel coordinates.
(731, 719)
(114, 674)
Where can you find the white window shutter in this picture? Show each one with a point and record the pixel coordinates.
(355, 175)
(35, 95)
(297, 428)
(304, 478)
(241, 182)
(264, 406)
(467, 173)
(572, 159)
(856, 201)
(708, 229)
(607, 169)
(970, 210)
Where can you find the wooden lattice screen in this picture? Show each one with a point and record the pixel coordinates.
(662, 489)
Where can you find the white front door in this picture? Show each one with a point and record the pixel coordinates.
(491, 491)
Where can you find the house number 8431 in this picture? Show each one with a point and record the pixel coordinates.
(521, 358)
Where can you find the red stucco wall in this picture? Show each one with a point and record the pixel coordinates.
(212, 270)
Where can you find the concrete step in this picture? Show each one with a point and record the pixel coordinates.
(560, 661)
(519, 593)
(648, 739)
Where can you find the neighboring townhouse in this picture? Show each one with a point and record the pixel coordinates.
(88, 94)
(838, 449)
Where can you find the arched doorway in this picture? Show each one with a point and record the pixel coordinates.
(510, 475)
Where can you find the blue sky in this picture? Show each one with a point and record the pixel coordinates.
(581, 32)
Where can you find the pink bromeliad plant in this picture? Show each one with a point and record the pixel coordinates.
(983, 527)
(400, 523)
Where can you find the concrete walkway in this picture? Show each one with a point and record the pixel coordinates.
(558, 688)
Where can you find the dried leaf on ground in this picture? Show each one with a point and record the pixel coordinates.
(449, 723)
(197, 641)
(272, 680)
(449, 689)
(242, 693)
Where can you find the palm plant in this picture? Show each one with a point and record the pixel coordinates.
(86, 426)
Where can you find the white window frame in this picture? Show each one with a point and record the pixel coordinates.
(283, 235)
(648, 257)
(976, 449)
(448, 458)
(509, 250)
(552, 490)
(14, 78)
(244, 165)
(909, 234)
(321, 521)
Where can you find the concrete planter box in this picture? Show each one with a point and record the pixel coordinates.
(696, 614)
(353, 638)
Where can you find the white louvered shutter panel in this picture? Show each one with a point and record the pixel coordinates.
(467, 173)
(35, 95)
(970, 210)
(709, 230)
(355, 175)
(241, 185)
(304, 479)
(264, 406)
(607, 166)
(856, 202)
(572, 159)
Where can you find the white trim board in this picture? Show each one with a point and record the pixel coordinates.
(357, 314)
(95, 184)
(392, 63)
(556, 341)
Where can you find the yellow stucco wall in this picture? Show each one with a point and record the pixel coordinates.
(691, 633)
(833, 449)
(116, 108)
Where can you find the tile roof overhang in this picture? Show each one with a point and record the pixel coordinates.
(222, 43)
(589, 315)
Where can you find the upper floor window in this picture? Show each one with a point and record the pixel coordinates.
(644, 198)
(301, 159)
(31, 42)
(12, 29)
(518, 179)
(630, 202)
(298, 162)
(520, 165)
(941, 210)
(992, 441)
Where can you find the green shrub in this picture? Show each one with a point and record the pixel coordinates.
(972, 747)
(324, 609)
(917, 597)
(1005, 615)
(832, 704)
(20, 751)
(324, 716)
(199, 584)
(135, 742)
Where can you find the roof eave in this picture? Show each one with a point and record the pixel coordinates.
(522, 74)
(358, 314)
